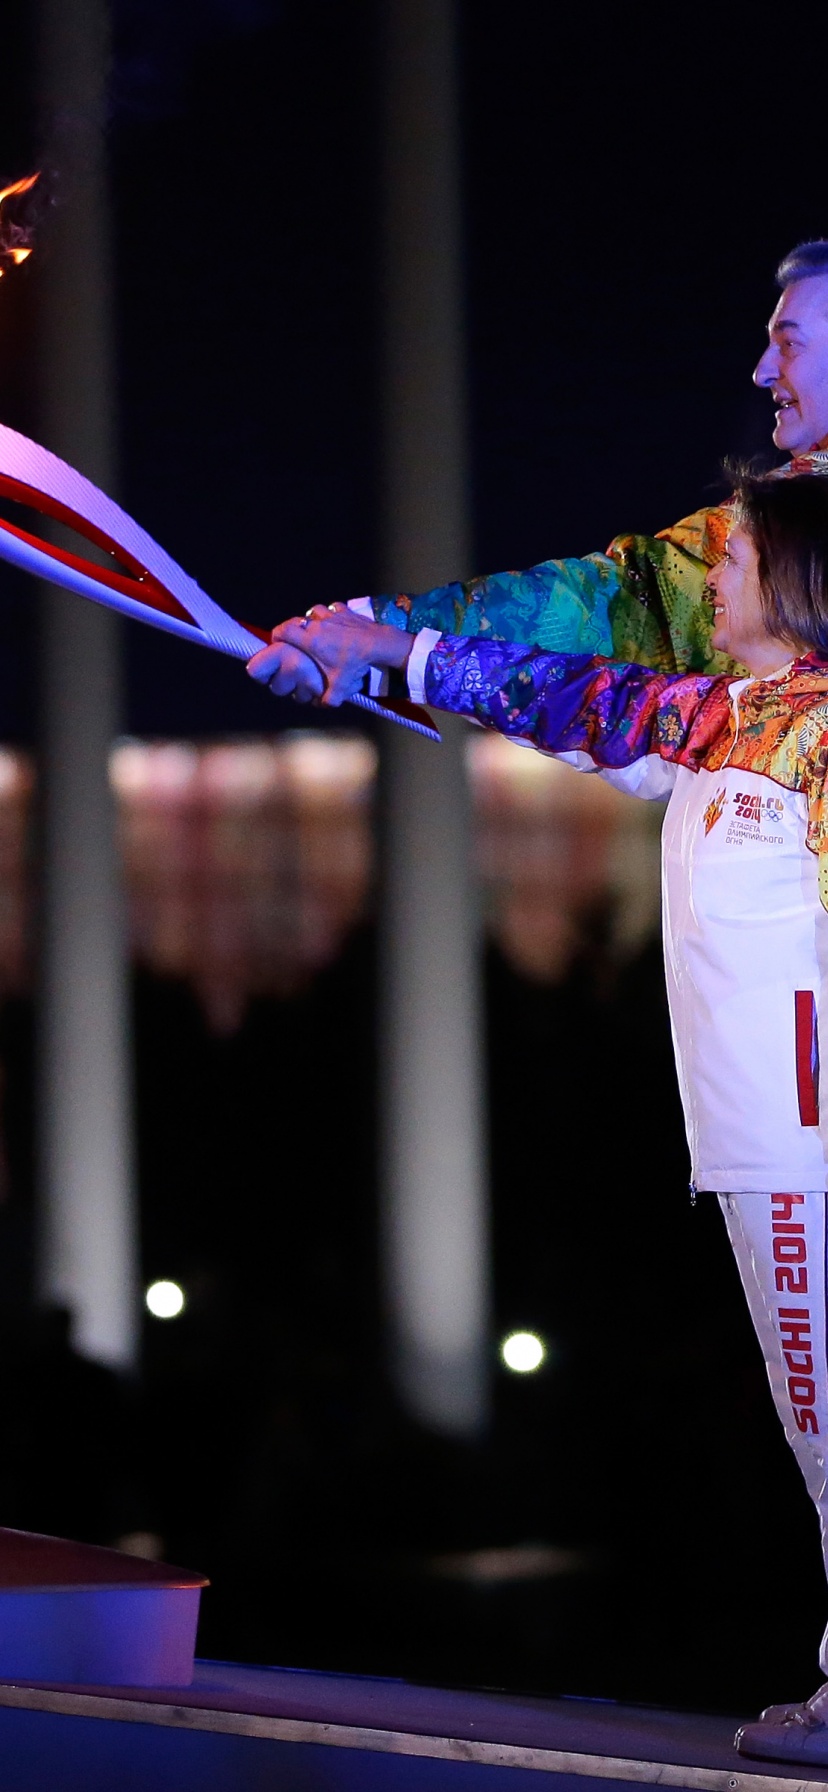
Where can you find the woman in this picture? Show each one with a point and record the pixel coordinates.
(744, 762)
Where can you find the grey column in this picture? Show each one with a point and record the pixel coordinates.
(434, 1211)
(88, 1233)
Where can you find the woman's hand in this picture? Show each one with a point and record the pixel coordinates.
(288, 673)
(343, 646)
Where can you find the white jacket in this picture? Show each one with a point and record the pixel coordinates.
(745, 945)
(746, 959)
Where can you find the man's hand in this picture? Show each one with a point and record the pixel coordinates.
(343, 646)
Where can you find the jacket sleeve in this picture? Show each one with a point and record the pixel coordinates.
(564, 703)
(642, 601)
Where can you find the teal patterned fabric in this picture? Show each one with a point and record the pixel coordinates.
(644, 601)
(552, 605)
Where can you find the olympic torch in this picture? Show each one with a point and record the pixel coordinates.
(138, 578)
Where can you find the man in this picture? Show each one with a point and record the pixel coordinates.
(644, 602)
(644, 599)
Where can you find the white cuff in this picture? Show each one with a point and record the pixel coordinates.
(377, 675)
(424, 642)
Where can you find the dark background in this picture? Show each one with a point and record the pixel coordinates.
(631, 178)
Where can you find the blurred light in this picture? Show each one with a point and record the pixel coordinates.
(165, 1300)
(145, 1544)
(522, 1351)
(519, 1561)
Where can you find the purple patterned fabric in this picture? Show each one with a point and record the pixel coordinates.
(615, 712)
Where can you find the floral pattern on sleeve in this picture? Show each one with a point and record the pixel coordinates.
(619, 712)
(643, 600)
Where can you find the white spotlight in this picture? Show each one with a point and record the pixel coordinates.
(523, 1352)
(165, 1300)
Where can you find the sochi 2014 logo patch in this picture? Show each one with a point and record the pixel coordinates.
(751, 807)
(714, 809)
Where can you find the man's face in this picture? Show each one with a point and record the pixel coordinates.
(794, 366)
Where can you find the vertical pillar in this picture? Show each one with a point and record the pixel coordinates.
(87, 1243)
(434, 1218)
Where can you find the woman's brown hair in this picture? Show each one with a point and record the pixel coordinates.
(787, 521)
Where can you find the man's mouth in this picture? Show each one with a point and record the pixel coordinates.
(783, 402)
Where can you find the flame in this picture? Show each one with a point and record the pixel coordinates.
(13, 245)
(19, 186)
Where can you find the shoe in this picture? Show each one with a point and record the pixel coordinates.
(789, 1732)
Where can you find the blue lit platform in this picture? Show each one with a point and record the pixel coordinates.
(251, 1729)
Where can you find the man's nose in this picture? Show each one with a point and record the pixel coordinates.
(767, 369)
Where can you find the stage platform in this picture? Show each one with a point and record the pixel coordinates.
(253, 1729)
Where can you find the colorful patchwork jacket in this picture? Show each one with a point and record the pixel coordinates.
(618, 714)
(643, 600)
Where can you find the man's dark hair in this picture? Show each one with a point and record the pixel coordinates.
(803, 263)
(787, 521)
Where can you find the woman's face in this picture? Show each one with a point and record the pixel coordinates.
(739, 628)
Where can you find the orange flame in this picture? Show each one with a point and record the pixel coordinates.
(19, 186)
(13, 245)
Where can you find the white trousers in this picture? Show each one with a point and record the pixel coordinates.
(779, 1242)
